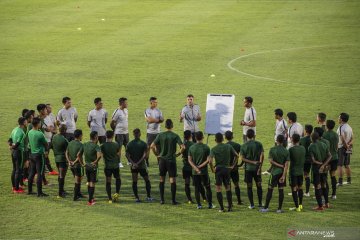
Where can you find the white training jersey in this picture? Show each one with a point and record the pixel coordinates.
(97, 121)
(67, 117)
(280, 128)
(345, 132)
(250, 115)
(49, 121)
(153, 128)
(120, 116)
(190, 114)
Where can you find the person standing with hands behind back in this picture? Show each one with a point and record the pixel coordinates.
(190, 115)
(249, 121)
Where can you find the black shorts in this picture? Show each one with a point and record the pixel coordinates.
(91, 173)
(69, 136)
(201, 180)
(250, 175)
(143, 171)
(317, 177)
(274, 181)
(333, 165)
(167, 166)
(186, 174)
(77, 171)
(122, 139)
(150, 137)
(344, 158)
(61, 165)
(307, 167)
(296, 180)
(26, 155)
(112, 172)
(234, 175)
(222, 176)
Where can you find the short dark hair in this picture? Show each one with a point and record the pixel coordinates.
(330, 124)
(187, 134)
(295, 138)
(36, 121)
(24, 111)
(169, 124)
(137, 132)
(249, 99)
(308, 128)
(78, 133)
(292, 116)
(29, 114)
(122, 100)
(250, 133)
(21, 120)
(93, 135)
(344, 117)
(219, 137)
(62, 128)
(97, 100)
(314, 136)
(152, 99)
(199, 136)
(280, 139)
(229, 135)
(65, 100)
(279, 112)
(40, 107)
(322, 116)
(319, 131)
(109, 134)
(190, 96)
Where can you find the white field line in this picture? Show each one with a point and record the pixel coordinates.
(229, 64)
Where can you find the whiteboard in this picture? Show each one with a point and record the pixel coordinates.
(219, 113)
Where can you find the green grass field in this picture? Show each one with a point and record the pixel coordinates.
(169, 49)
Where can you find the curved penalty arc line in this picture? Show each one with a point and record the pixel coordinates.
(229, 64)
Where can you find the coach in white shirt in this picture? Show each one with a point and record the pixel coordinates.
(346, 140)
(294, 127)
(120, 123)
(97, 119)
(67, 116)
(190, 115)
(249, 121)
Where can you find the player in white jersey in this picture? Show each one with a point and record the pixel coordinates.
(249, 121)
(153, 117)
(67, 116)
(345, 146)
(97, 119)
(190, 115)
(294, 127)
(120, 124)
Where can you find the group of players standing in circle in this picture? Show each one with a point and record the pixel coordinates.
(297, 154)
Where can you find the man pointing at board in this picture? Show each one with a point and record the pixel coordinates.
(249, 121)
(190, 114)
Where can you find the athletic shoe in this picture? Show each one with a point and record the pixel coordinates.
(91, 203)
(128, 163)
(110, 201)
(295, 209)
(230, 209)
(175, 203)
(25, 180)
(345, 183)
(279, 211)
(307, 194)
(211, 206)
(62, 195)
(149, 199)
(137, 200)
(301, 207)
(87, 183)
(264, 210)
(317, 208)
(251, 207)
(162, 202)
(42, 195)
(19, 191)
(339, 184)
(289, 194)
(53, 172)
(265, 173)
(333, 197)
(327, 205)
(121, 165)
(199, 206)
(115, 197)
(190, 202)
(221, 211)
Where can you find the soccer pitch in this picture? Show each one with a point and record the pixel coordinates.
(301, 56)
